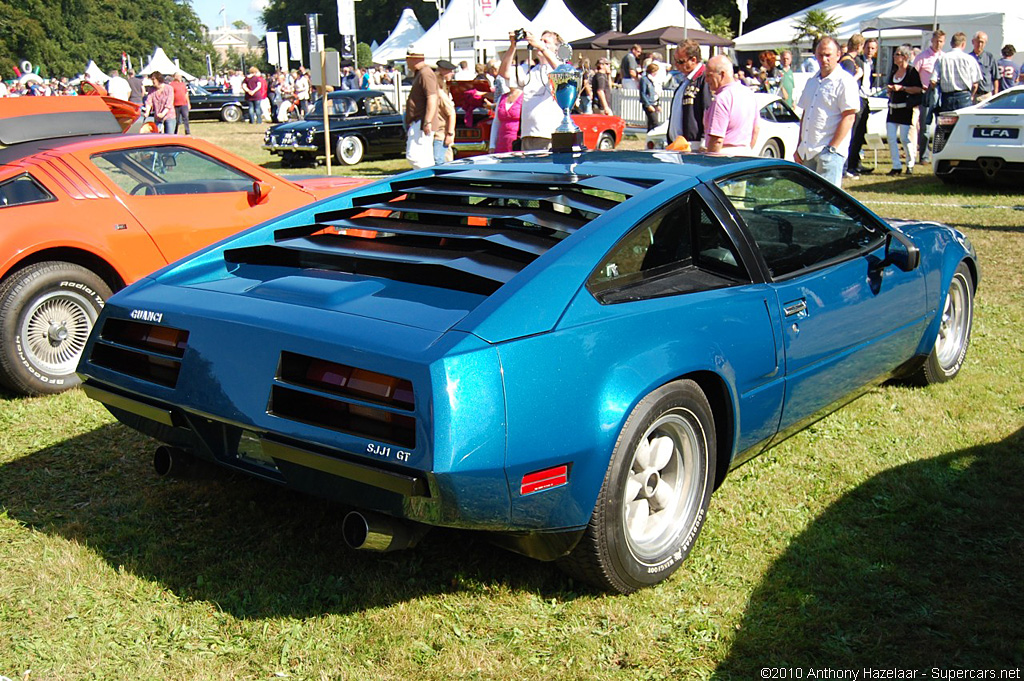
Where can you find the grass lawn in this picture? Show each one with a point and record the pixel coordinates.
(890, 535)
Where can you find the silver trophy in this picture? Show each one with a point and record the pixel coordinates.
(566, 83)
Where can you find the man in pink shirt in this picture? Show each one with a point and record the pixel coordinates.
(925, 65)
(731, 122)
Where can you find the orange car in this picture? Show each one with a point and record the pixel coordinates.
(86, 210)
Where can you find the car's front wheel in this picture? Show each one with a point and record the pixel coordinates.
(349, 150)
(231, 114)
(47, 312)
(947, 356)
(606, 142)
(655, 495)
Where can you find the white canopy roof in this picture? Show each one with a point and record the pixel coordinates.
(666, 13)
(93, 73)
(406, 31)
(555, 16)
(162, 63)
(999, 19)
(456, 22)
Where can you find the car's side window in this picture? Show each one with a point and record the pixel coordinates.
(780, 113)
(22, 190)
(167, 170)
(798, 222)
(679, 249)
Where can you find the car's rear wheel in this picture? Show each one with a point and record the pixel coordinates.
(655, 495)
(947, 356)
(771, 149)
(349, 150)
(606, 142)
(47, 312)
(231, 114)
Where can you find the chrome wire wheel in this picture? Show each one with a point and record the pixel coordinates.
(56, 327)
(661, 489)
(955, 324)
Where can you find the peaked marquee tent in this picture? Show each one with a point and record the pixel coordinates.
(407, 30)
(162, 63)
(555, 16)
(93, 73)
(494, 29)
(667, 13)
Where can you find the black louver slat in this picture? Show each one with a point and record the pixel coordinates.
(508, 238)
(564, 195)
(542, 218)
(629, 187)
(460, 270)
(469, 230)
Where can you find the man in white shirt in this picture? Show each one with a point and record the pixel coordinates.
(957, 74)
(830, 101)
(118, 87)
(540, 112)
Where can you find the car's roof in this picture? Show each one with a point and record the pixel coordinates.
(25, 119)
(347, 94)
(23, 150)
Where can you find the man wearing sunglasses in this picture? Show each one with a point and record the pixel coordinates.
(692, 97)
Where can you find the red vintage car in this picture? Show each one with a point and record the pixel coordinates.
(87, 210)
(599, 131)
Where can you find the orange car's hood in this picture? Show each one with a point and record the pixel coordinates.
(322, 187)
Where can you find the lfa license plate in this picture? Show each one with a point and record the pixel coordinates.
(997, 133)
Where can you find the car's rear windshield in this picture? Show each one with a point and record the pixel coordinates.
(1006, 100)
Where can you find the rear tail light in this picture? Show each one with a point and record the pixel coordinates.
(146, 351)
(948, 119)
(345, 380)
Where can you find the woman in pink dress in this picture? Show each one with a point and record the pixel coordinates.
(507, 114)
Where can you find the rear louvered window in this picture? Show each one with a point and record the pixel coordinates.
(466, 230)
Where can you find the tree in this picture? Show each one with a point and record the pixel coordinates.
(815, 24)
(364, 56)
(719, 24)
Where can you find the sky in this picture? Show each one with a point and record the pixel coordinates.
(248, 11)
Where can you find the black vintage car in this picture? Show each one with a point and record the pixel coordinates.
(206, 105)
(362, 123)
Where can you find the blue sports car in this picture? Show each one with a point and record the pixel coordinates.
(568, 351)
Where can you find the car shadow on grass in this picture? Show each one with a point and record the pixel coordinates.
(922, 566)
(252, 548)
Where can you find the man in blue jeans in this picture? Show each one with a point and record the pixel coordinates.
(957, 74)
(925, 65)
(830, 101)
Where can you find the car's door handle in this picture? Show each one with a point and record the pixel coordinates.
(795, 308)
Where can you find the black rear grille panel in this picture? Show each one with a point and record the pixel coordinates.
(150, 352)
(147, 366)
(468, 230)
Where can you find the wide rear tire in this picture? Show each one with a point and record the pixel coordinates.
(47, 312)
(655, 495)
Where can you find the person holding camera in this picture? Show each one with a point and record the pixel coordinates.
(540, 112)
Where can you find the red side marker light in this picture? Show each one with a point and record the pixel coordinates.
(545, 479)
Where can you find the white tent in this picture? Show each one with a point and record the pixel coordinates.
(456, 22)
(667, 13)
(555, 16)
(494, 29)
(999, 19)
(93, 73)
(160, 62)
(850, 13)
(406, 31)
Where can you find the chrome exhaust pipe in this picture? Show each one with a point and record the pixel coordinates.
(375, 532)
(173, 462)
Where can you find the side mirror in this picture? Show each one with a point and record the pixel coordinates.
(259, 193)
(901, 252)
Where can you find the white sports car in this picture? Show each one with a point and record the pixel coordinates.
(984, 140)
(778, 136)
